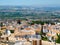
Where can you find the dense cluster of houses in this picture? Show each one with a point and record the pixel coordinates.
(30, 34)
(21, 31)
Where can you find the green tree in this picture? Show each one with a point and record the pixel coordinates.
(58, 40)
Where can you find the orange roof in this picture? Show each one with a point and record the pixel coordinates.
(3, 27)
(27, 28)
(48, 34)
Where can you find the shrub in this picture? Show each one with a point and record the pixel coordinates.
(12, 31)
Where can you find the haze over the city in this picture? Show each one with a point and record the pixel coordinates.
(41, 3)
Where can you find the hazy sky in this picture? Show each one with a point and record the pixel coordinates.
(31, 2)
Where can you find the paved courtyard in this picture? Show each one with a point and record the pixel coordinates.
(48, 43)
